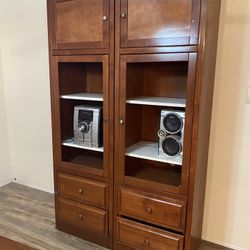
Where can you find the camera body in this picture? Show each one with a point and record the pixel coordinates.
(171, 134)
(88, 126)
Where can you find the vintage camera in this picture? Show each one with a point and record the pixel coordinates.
(171, 134)
(88, 126)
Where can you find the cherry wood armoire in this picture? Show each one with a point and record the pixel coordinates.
(134, 59)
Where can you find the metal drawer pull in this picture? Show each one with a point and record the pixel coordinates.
(80, 191)
(104, 18)
(149, 210)
(80, 216)
(123, 15)
(147, 242)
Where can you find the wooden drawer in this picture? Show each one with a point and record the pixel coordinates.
(161, 211)
(80, 189)
(86, 217)
(139, 236)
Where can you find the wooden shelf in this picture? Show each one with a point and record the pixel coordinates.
(84, 97)
(158, 175)
(158, 101)
(149, 151)
(71, 143)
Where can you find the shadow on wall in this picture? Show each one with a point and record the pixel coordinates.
(226, 218)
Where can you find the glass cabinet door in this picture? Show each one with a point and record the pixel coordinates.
(155, 116)
(146, 23)
(83, 103)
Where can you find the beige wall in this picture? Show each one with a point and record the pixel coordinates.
(26, 83)
(227, 207)
(5, 174)
(23, 36)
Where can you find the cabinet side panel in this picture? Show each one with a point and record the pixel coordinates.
(202, 118)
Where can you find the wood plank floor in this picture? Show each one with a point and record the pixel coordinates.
(6, 244)
(27, 217)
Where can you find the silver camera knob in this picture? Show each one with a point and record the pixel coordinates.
(162, 133)
(84, 127)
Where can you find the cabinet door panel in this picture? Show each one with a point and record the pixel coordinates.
(159, 22)
(144, 81)
(80, 24)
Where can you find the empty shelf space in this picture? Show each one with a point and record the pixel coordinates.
(71, 143)
(158, 101)
(84, 97)
(158, 175)
(89, 161)
(149, 151)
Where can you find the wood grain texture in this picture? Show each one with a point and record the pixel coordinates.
(81, 189)
(204, 87)
(28, 217)
(139, 236)
(159, 211)
(159, 23)
(78, 24)
(6, 244)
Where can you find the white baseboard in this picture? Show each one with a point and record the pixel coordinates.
(5, 182)
(223, 244)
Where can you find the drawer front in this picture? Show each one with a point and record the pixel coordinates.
(164, 212)
(139, 236)
(86, 217)
(80, 189)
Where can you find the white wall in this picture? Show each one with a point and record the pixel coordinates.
(5, 174)
(25, 66)
(26, 82)
(227, 207)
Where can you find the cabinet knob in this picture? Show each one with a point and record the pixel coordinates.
(149, 210)
(147, 242)
(104, 18)
(80, 216)
(121, 122)
(123, 15)
(80, 191)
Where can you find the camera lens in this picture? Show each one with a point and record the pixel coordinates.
(173, 123)
(171, 146)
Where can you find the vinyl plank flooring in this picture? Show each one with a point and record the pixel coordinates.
(28, 217)
(6, 244)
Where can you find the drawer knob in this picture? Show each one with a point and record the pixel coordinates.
(147, 242)
(80, 216)
(123, 15)
(80, 191)
(149, 210)
(104, 18)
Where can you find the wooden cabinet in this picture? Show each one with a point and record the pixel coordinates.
(81, 189)
(148, 66)
(160, 211)
(146, 23)
(79, 23)
(83, 216)
(139, 236)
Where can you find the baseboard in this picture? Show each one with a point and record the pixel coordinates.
(223, 244)
(5, 182)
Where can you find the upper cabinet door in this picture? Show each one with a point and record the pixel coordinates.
(146, 23)
(79, 24)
